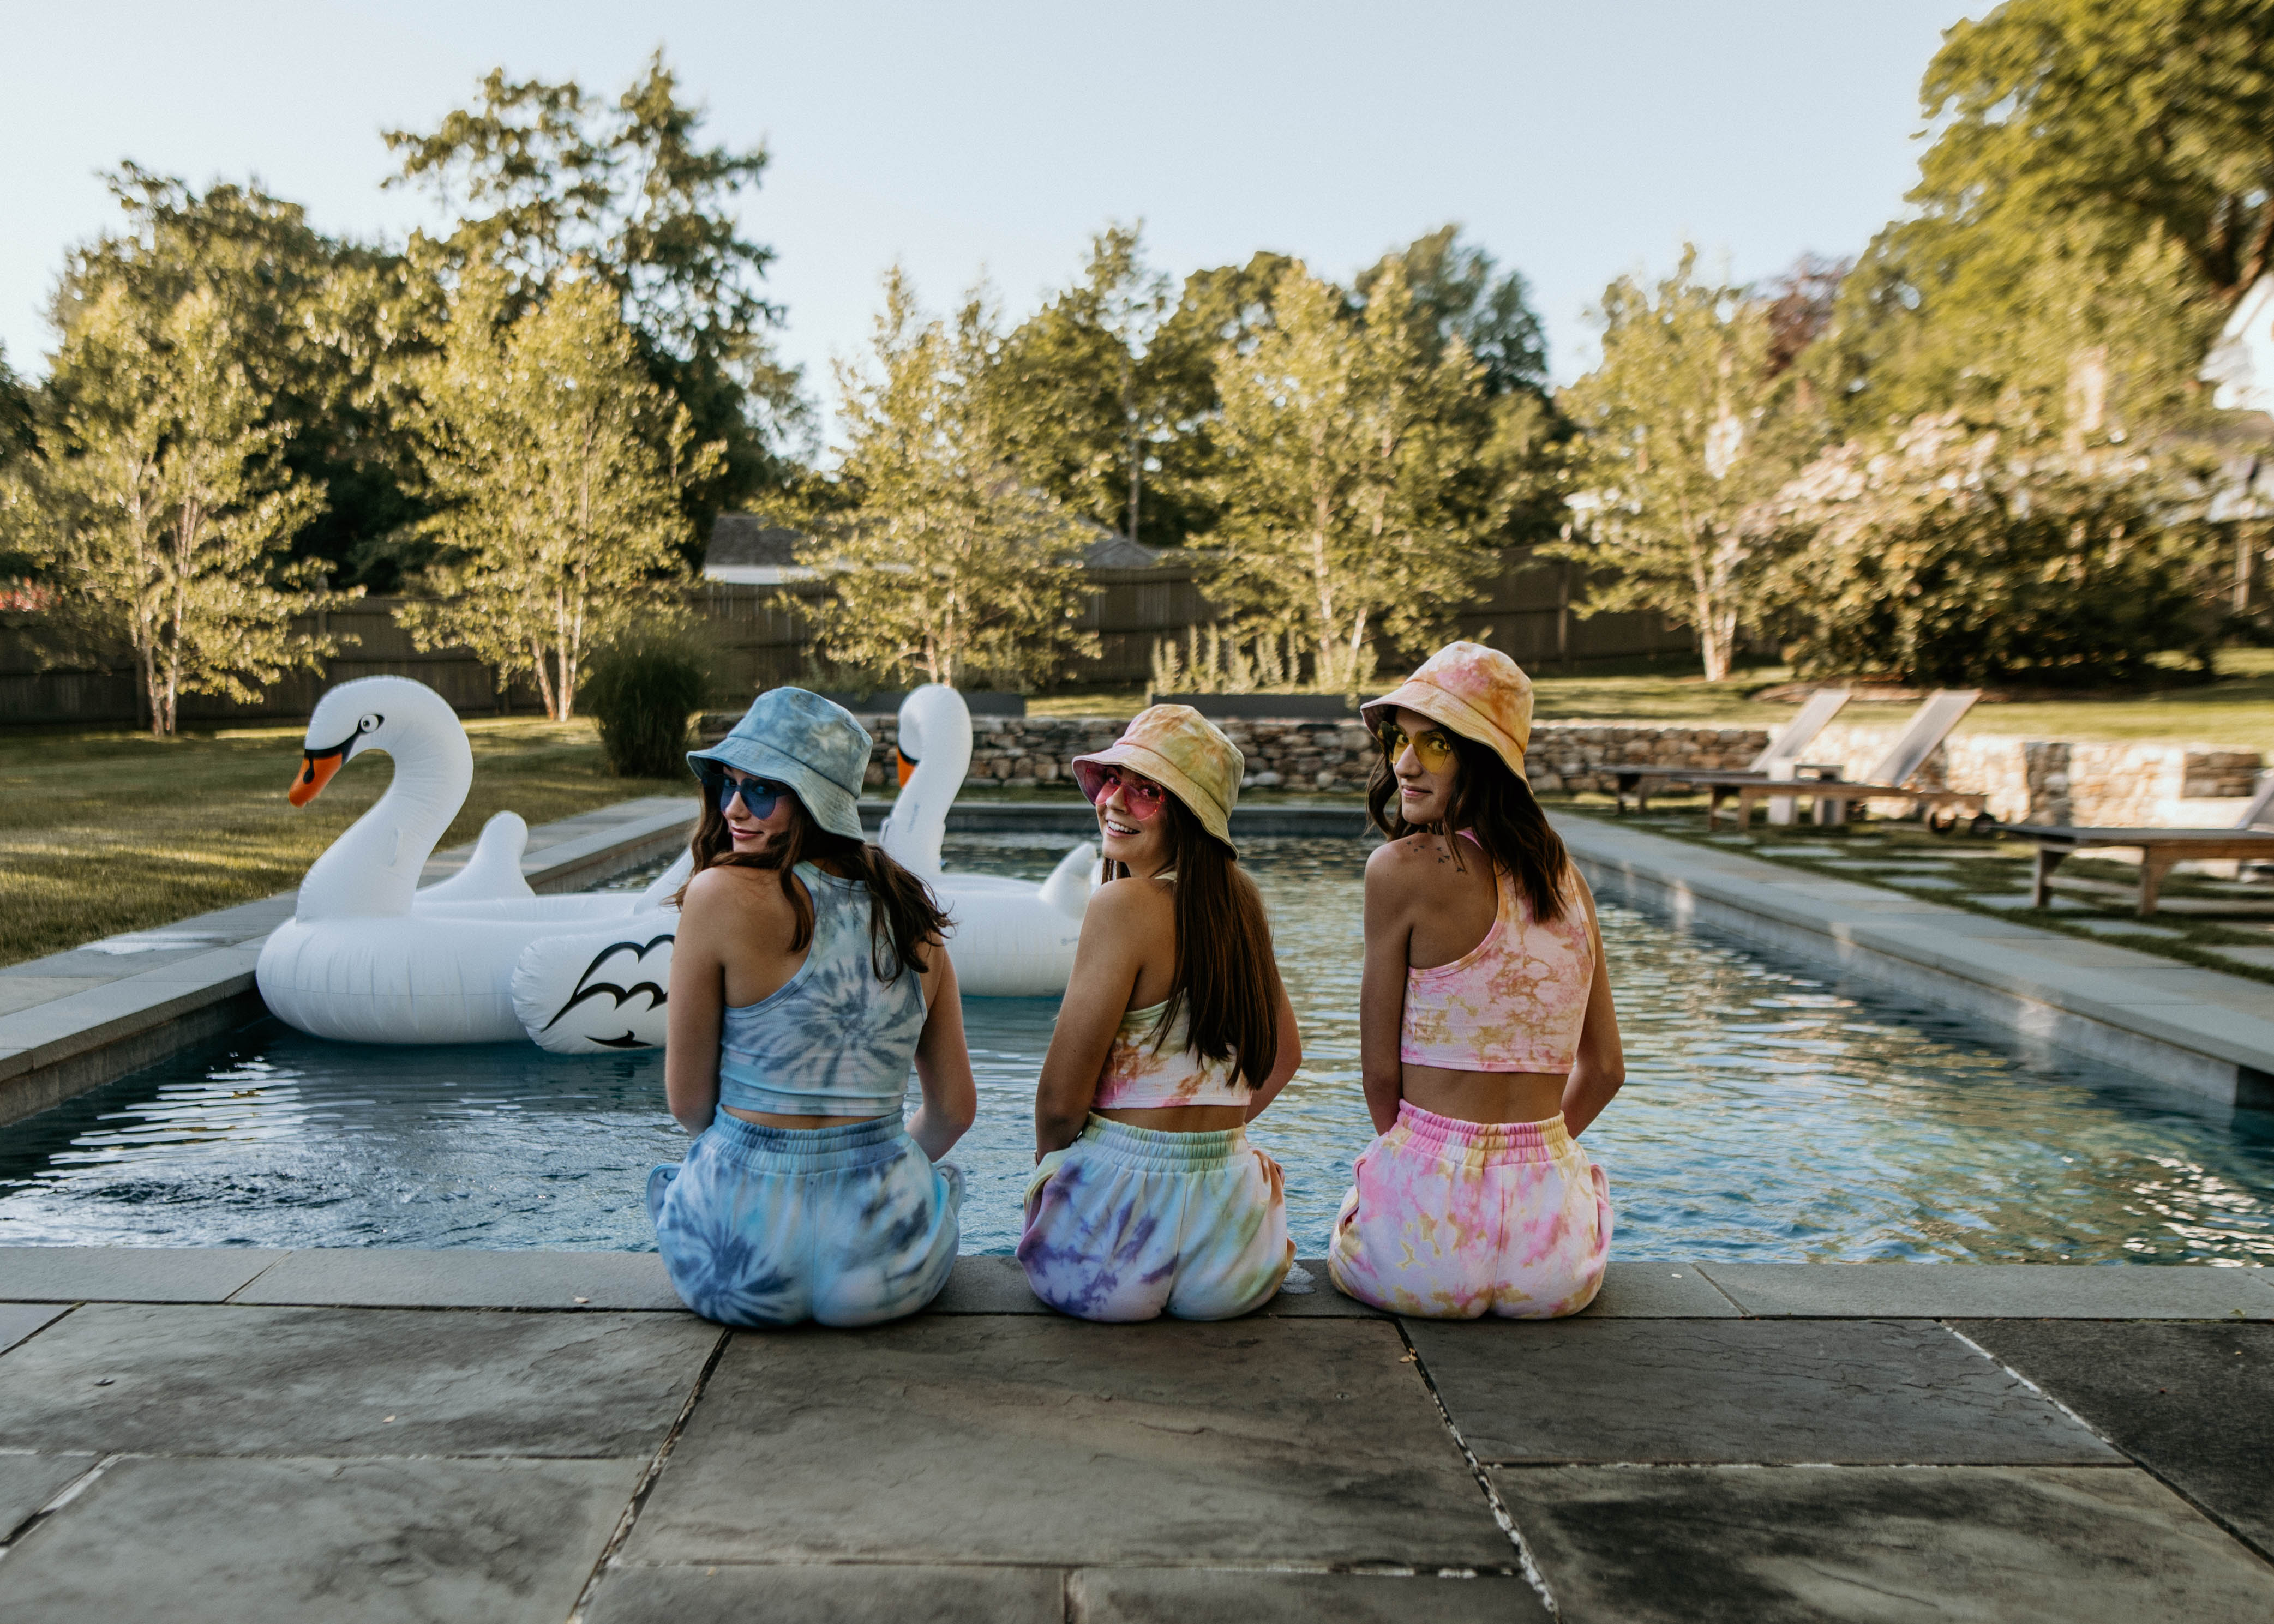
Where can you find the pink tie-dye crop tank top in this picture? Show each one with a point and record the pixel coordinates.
(1141, 1075)
(1513, 1003)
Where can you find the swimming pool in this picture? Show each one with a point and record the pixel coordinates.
(1768, 1116)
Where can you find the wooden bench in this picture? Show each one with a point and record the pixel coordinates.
(2159, 849)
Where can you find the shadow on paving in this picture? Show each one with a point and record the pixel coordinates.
(2193, 1403)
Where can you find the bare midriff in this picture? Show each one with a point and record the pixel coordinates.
(776, 1119)
(1485, 1096)
(1180, 1118)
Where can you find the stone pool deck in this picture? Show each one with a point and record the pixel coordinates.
(245, 1435)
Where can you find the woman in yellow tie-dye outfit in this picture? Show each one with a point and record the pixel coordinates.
(1176, 1032)
(1487, 1034)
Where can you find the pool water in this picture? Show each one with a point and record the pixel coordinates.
(1768, 1116)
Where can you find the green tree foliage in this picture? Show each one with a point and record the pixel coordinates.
(2094, 200)
(1343, 435)
(319, 325)
(561, 470)
(1959, 550)
(2155, 115)
(554, 184)
(948, 564)
(1107, 395)
(1684, 425)
(164, 506)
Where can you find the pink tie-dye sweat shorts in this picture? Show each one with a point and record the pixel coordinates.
(1453, 1219)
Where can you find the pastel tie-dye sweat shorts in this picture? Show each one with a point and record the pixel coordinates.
(765, 1226)
(1130, 1224)
(1453, 1219)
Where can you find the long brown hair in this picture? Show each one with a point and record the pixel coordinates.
(1492, 803)
(903, 915)
(1225, 978)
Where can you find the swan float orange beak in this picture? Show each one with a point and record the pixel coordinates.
(318, 766)
(315, 772)
(905, 767)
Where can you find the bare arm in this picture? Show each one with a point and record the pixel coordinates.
(1599, 1066)
(697, 1006)
(1290, 1055)
(1381, 990)
(1105, 966)
(951, 1099)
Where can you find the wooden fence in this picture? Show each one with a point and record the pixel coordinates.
(760, 642)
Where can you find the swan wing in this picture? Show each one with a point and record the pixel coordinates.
(590, 992)
(493, 872)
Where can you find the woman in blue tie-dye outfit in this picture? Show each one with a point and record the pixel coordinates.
(808, 976)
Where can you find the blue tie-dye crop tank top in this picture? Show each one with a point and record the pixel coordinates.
(834, 1039)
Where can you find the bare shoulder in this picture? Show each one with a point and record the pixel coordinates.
(1128, 901)
(1416, 860)
(728, 891)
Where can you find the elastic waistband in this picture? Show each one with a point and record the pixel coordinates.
(757, 1148)
(1493, 1141)
(1155, 1150)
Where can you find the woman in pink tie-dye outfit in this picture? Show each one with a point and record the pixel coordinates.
(1486, 1032)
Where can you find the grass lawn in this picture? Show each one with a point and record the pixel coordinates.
(101, 832)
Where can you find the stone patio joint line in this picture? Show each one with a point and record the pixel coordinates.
(1533, 1576)
(62, 1498)
(647, 1479)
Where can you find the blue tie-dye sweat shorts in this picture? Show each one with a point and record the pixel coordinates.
(765, 1226)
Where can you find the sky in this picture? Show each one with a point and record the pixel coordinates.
(1575, 143)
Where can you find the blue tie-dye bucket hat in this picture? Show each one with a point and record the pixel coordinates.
(811, 744)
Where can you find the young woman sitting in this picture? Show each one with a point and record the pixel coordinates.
(1486, 1032)
(807, 974)
(1174, 1035)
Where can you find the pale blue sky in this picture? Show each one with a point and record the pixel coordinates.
(1574, 142)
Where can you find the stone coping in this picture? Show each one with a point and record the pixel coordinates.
(2208, 1032)
(634, 1281)
(74, 1020)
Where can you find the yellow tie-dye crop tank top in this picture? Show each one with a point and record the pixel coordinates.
(1513, 1003)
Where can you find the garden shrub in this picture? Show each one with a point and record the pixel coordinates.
(1958, 554)
(642, 693)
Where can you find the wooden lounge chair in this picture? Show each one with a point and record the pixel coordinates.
(2159, 848)
(1636, 779)
(1890, 778)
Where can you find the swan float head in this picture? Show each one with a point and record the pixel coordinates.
(373, 869)
(933, 753)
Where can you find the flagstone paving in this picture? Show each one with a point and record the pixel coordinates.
(447, 1436)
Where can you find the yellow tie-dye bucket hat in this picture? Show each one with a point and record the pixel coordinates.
(1185, 753)
(1476, 692)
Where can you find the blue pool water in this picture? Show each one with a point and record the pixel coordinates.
(1768, 1116)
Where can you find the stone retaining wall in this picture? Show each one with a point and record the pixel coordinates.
(2028, 779)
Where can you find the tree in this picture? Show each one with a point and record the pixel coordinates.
(1684, 427)
(559, 468)
(1343, 445)
(2156, 115)
(1457, 291)
(947, 564)
(555, 183)
(1957, 551)
(2093, 204)
(319, 325)
(164, 506)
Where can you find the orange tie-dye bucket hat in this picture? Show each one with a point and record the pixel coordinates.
(1186, 753)
(1476, 692)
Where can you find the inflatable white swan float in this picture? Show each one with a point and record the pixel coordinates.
(367, 957)
(1010, 939)
(480, 958)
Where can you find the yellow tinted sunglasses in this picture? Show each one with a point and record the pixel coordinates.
(1433, 748)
